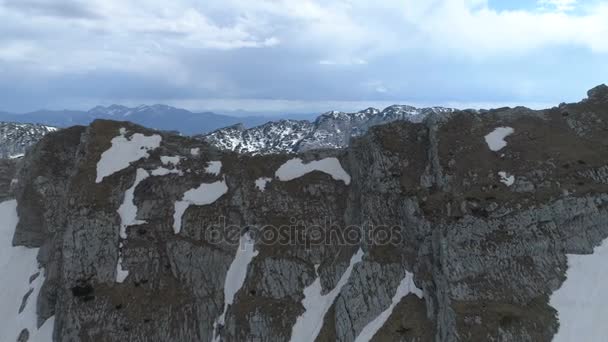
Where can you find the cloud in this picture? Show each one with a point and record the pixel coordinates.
(351, 61)
(338, 32)
(457, 28)
(559, 5)
(306, 50)
(62, 9)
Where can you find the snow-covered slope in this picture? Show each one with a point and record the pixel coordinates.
(15, 138)
(581, 302)
(330, 130)
(20, 283)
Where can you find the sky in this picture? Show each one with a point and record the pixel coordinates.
(299, 56)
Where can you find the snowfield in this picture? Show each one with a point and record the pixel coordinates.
(121, 273)
(261, 183)
(128, 209)
(296, 168)
(506, 179)
(235, 277)
(316, 305)
(170, 160)
(124, 151)
(496, 139)
(17, 265)
(214, 168)
(406, 287)
(203, 195)
(582, 301)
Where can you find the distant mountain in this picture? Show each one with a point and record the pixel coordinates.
(15, 138)
(160, 117)
(330, 130)
(272, 137)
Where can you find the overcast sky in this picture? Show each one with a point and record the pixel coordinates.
(299, 55)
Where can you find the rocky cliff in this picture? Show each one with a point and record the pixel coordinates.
(456, 228)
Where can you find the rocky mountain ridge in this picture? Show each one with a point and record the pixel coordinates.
(330, 130)
(460, 227)
(162, 117)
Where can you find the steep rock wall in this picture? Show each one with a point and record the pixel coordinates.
(484, 232)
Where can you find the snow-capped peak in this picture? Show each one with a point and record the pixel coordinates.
(16, 138)
(332, 129)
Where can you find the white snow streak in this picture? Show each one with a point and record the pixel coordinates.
(235, 277)
(214, 167)
(121, 273)
(161, 171)
(124, 151)
(295, 168)
(309, 324)
(167, 160)
(128, 217)
(496, 139)
(406, 287)
(17, 265)
(261, 182)
(195, 151)
(203, 195)
(582, 300)
(506, 179)
(128, 209)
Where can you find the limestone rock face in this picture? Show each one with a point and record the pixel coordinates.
(484, 233)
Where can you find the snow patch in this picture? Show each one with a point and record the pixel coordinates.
(316, 305)
(203, 195)
(235, 277)
(406, 287)
(214, 167)
(582, 300)
(128, 209)
(124, 151)
(195, 151)
(261, 182)
(167, 160)
(121, 273)
(16, 156)
(17, 265)
(295, 168)
(506, 179)
(161, 171)
(496, 139)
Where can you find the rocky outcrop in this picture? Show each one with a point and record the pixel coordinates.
(476, 230)
(16, 138)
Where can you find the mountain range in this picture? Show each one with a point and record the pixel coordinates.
(329, 131)
(159, 116)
